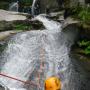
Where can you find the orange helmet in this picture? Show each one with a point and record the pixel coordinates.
(53, 83)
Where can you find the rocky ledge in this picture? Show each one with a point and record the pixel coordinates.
(10, 16)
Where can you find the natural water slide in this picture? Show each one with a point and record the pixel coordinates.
(33, 56)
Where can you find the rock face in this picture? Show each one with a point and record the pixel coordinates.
(54, 4)
(73, 3)
(7, 18)
(6, 23)
(51, 4)
(10, 16)
(5, 26)
(6, 34)
(81, 58)
(85, 31)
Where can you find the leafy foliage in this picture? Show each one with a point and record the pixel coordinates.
(82, 13)
(87, 50)
(85, 45)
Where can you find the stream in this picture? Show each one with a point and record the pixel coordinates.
(30, 57)
(33, 56)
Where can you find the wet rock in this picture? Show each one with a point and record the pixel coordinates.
(36, 25)
(55, 16)
(5, 26)
(1, 87)
(4, 35)
(51, 4)
(84, 61)
(85, 31)
(14, 23)
(11, 16)
(33, 24)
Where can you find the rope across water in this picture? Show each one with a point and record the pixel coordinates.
(42, 55)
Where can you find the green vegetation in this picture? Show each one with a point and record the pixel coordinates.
(84, 43)
(82, 13)
(22, 27)
(85, 46)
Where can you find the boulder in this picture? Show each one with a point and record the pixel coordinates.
(11, 16)
(83, 60)
(4, 35)
(5, 26)
(51, 4)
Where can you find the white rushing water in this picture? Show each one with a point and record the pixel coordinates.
(33, 7)
(28, 50)
(14, 6)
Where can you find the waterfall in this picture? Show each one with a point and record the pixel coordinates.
(33, 7)
(27, 51)
(14, 6)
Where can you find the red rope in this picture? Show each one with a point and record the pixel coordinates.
(29, 82)
(25, 82)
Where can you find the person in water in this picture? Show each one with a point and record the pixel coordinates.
(52, 83)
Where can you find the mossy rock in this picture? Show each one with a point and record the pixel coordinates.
(27, 25)
(20, 25)
(5, 26)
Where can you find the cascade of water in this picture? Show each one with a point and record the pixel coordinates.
(14, 6)
(27, 51)
(33, 7)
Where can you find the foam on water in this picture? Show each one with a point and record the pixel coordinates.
(23, 57)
